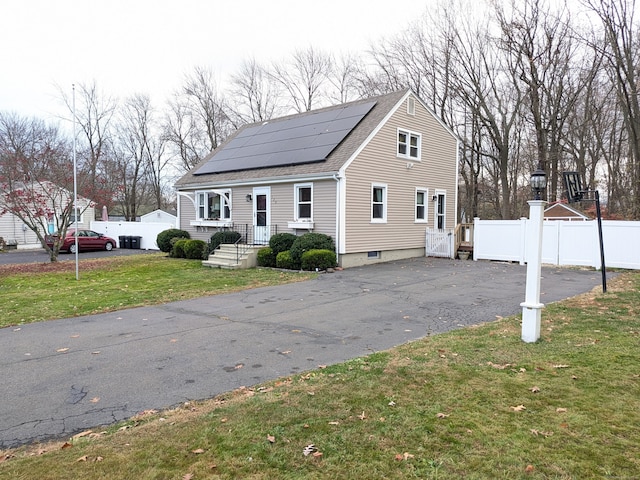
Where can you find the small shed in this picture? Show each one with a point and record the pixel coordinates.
(562, 211)
(159, 216)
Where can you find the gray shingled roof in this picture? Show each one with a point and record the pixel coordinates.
(335, 160)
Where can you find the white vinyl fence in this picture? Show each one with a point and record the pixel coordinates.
(148, 231)
(563, 243)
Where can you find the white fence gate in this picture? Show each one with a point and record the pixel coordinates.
(563, 243)
(440, 243)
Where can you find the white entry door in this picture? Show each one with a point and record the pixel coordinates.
(261, 215)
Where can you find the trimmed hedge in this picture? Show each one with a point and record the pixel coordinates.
(318, 259)
(281, 242)
(178, 247)
(164, 238)
(310, 241)
(266, 257)
(284, 260)
(195, 249)
(225, 236)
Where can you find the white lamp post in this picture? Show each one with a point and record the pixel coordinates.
(531, 307)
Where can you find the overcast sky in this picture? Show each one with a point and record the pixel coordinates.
(147, 46)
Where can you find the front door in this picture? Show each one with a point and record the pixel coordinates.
(261, 215)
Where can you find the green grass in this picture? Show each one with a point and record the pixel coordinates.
(121, 282)
(447, 407)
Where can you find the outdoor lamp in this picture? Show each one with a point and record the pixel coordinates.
(538, 182)
(249, 198)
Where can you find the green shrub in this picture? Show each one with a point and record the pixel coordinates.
(195, 249)
(178, 248)
(284, 260)
(310, 241)
(281, 242)
(318, 259)
(266, 257)
(164, 238)
(224, 236)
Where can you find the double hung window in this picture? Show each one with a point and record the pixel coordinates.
(408, 145)
(378, 203)
(304, 202)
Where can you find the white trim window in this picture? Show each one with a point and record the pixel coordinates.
(213, 206)
(422, 194)
(75, 213)
(378, 203)
(409, 144)
(303, 202)
(440, 209)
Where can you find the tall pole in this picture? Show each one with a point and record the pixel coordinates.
(531, 307)
(75, 182)
(602, 267)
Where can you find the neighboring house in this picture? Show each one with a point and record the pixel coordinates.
(159, 216)
(15, 232)
(373, 174)
(562, 211)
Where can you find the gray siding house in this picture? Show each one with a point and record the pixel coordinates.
(374, 174)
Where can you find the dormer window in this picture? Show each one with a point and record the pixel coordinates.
(408, 144)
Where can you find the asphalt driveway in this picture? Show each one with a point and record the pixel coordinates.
(64, 376)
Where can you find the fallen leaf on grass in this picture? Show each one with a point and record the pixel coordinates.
(404, 456)
(442, 415)
(561, 410)
(82, 434)
(334, 423)
(519, 408)
(529, 469)
(316, 454)
(535, 389)
(392, 403)
(187, 476)
(197, 451)
(82, 458)
(500, 367)
(561, 366)
(271, 439)
(362, 416)
(66, 445)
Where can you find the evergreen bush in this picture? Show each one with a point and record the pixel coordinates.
(310, 241)
(318, 259)
(284, 260)
(266, 257)
(164, 238)
(195, 249)
(281, 242)
(178, 247)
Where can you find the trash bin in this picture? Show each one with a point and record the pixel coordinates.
(127, 242)
(122, 241)
(135, 242)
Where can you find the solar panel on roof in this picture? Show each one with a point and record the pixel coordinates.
(301, 139)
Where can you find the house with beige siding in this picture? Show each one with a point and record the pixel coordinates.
(374, 174)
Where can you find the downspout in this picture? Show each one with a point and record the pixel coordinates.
(336, 177)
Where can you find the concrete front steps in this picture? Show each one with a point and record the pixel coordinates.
(226, 256)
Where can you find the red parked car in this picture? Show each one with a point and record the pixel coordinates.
(87, 240)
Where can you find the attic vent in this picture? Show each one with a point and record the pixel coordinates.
(411, 106)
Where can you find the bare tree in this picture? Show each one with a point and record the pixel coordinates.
(303, 78)
(254, 95)
(620, 47)
(36, 180)
(197, 121)
(94, 115)
(139, 146)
